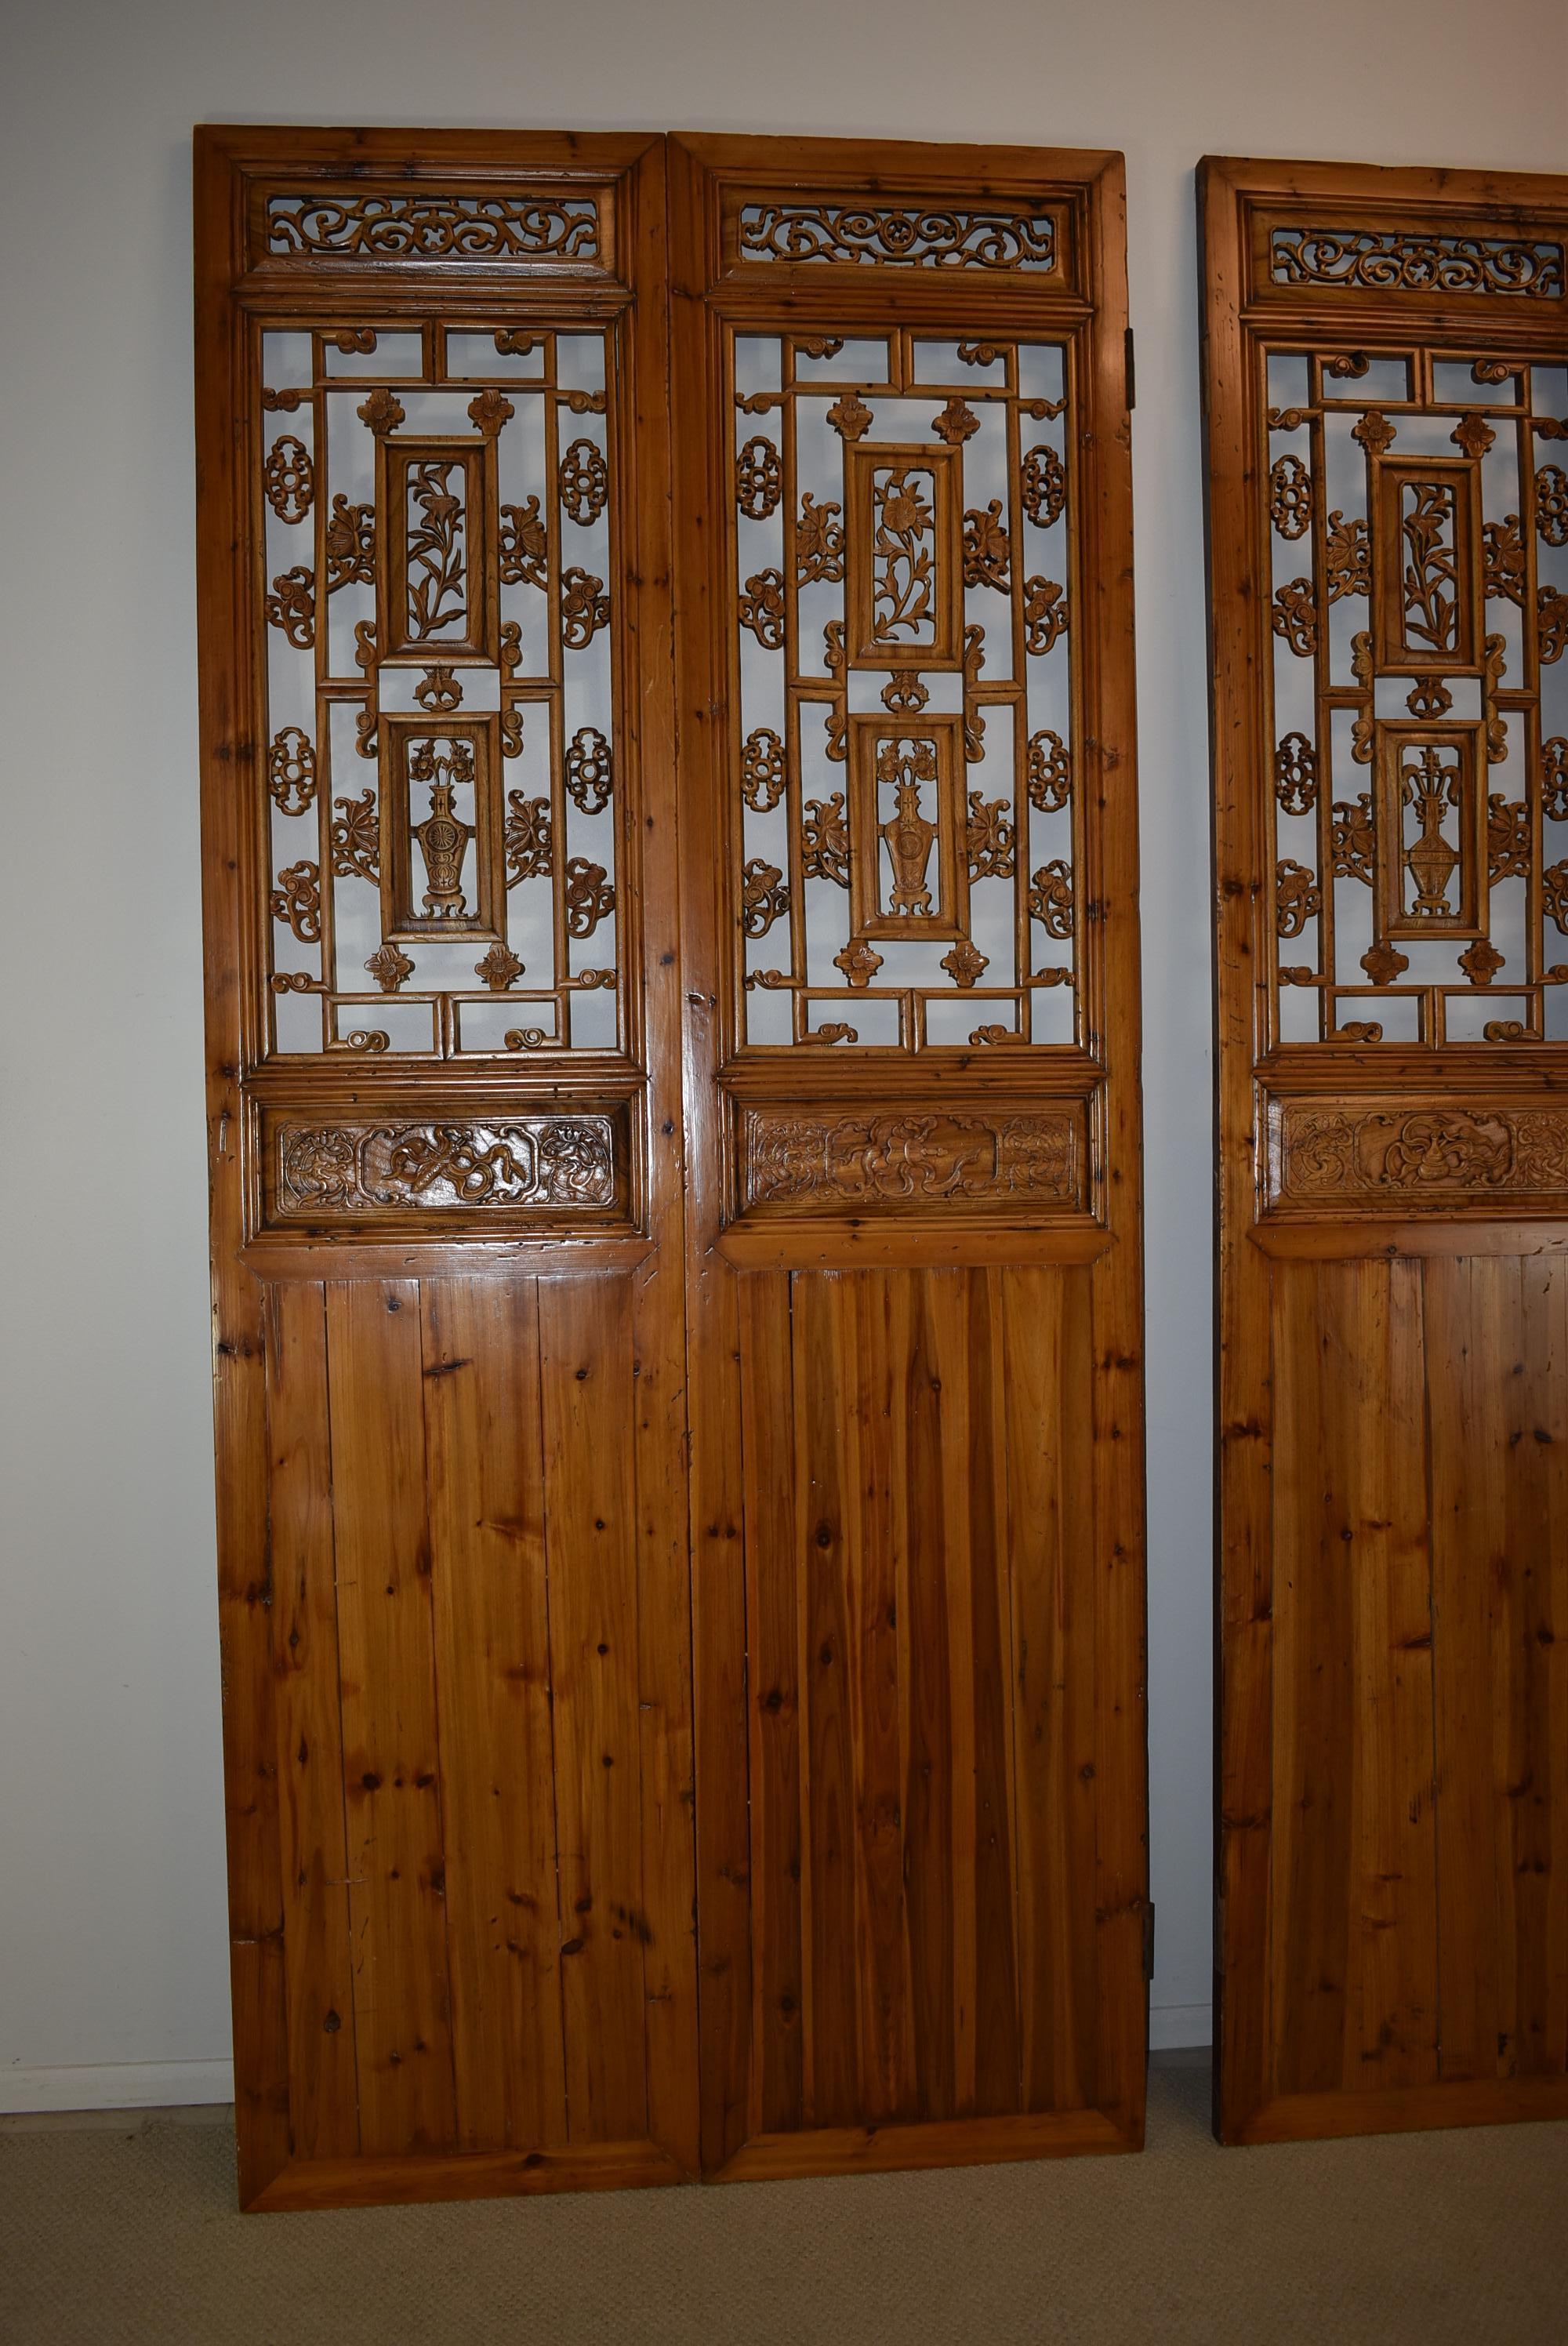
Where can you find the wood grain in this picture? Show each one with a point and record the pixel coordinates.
(1392, 1921)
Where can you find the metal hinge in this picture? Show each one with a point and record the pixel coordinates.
(1131, 371)
(1148, 1938)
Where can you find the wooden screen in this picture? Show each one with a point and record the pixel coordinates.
(1386, 386)
(463, 1353)
(911, 972)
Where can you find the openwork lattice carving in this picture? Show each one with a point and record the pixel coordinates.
(1417, 577)
(430, 631)
(1392, 260)
(919, 237)
(428, 226)
(904, 821)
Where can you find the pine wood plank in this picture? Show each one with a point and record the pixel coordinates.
(823, 1511)
(773, 1564)
(486, 1468)
(997, 2030)
(323, 2090)
(390, 1740)
(1531, 1705)
(588, 1401)
(1051, 1580)
(931, 1698)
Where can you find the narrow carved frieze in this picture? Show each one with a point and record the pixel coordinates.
(819, 1162)
(342, 1167)
(1417, 1153)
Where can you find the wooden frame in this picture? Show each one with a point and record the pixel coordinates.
(856, 1239)
(464, 1354)
(1392, 1823)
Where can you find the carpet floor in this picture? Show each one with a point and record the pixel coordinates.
(127, 2231)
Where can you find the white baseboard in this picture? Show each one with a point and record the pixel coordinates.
(117, 2086)
(1173, 2027)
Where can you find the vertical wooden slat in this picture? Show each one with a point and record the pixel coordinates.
(390, 1758)
(323, 2091)
(585, 1369)
(772, 1612)
(1536, 1785)
(950, 1328)
(1314, 1749)
(873, 1335)
(1394, 1829)
(996, 2021)
(481, 1359)
(823, 1508)
(930, 1791)
(1472, 1305)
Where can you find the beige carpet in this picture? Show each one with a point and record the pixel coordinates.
(128, 2232)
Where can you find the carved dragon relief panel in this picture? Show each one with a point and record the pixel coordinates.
(445, 823)
(903, 819)
(1418, 695)
(810, 1161)
(353, 1166)
(1402, 1152)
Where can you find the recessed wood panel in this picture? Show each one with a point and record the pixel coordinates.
(1386, 380)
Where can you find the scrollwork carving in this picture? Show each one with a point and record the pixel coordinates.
(762, 770)
(292, 771)
(1051, 898)
(923, 239)
(1050, 772)
(762, 608)
(1290, 497)
(764, 897)
(355, 838)
(818, 543)
(986, 548)
(758, 478)
(1042, 485)
(584, 481)
(523, 543)
(589, 898)
(292, 606)
(584, 608)
(1045, 614)
(538, 1160)
(589, 770)
(297, 901)
(1392, 260)
(1294, 617)
(420, 226)
(528, 838)
(1410, 1152)
(289, 478)
(825, 841)
(1295, 774)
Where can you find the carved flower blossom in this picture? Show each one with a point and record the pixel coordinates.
(849, 416)
(380, 410)
(498, 968)
(389, 968)
(859, 962)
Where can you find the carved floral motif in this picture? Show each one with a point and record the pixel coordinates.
(1326, 1149)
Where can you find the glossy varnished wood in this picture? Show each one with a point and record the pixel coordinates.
(917, 1519)
(1392, 1905)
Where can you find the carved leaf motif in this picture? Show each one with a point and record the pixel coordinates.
(1509, 842)
(818, 542)
(762, 770)
(590, 898)
(297, 901)
(437, 574)
(584, 481)
(1504, 558)
(825, 841)
(355, 838)
(1051, 898)
(1554, 896)
(1353, 839)
(1294, 617)
(528, 838)
(292, 606)
(758, 478)
(589, 770)
(1042, 485)
(1347, 557)
(292, 771)
(1044, 614)
(763, 898)
(522, 542)
(289, 478)
(1050, 772)
(584, 608)
(986, 548)
(350, 544)
(1295, 774)
(1551, 623)
(762, 608)
(991, 838)
(1297, 898)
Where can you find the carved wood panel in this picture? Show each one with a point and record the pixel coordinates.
(1386, 386)
(444, 1108)
(909, 946)
(491, 1433)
